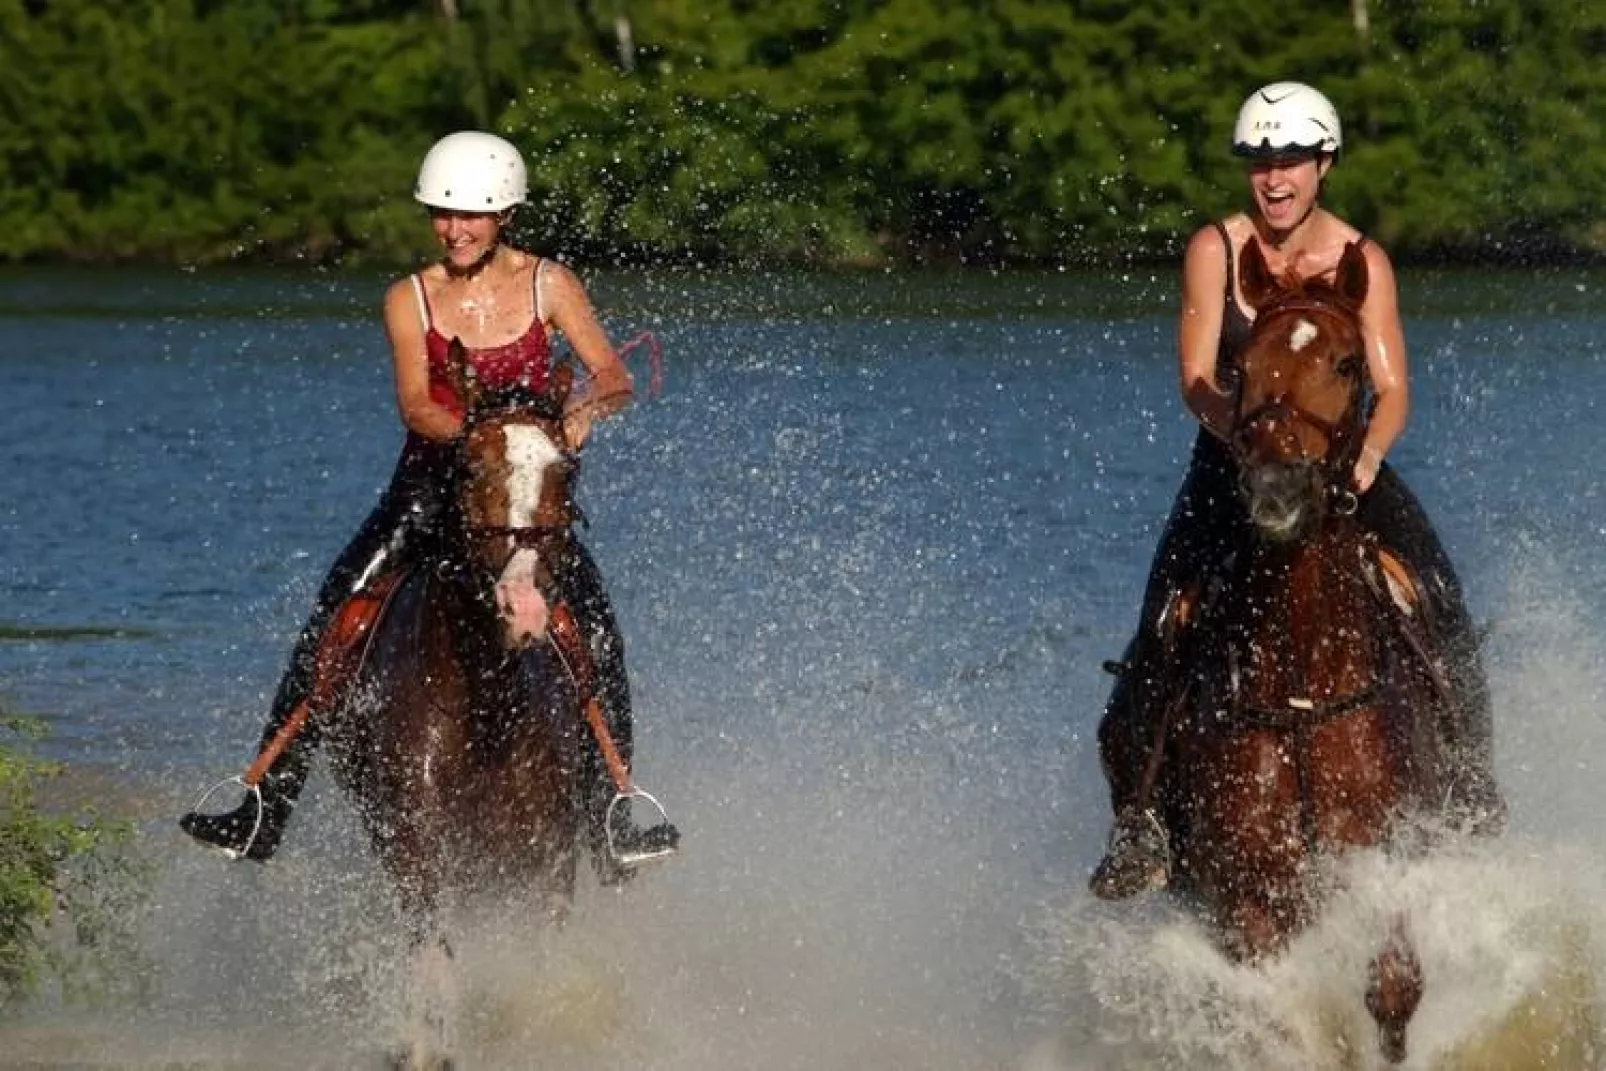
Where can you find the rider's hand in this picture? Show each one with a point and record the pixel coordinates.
(577, 426)
(1366, 467)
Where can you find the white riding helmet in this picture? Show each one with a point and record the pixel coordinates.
(1286, 117)
(472, 172)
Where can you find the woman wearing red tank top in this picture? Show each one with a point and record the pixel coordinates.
(501, 303)
(1290, 136)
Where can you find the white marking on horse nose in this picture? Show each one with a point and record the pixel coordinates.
(529, 454)
(1303, 334)
(519, 600)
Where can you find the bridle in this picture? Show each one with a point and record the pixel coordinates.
(555, 513)
(1343, 436)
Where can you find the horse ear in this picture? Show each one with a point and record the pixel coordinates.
(1255, 279)
(1351, 278)
(460, 374)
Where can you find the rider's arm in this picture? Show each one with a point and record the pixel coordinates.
(418, 410)
(1204, 281)
(607, 387)
(1385, 363)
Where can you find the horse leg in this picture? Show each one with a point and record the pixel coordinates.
(1253, 929)
(429, 986)
(1393, 990)
(429, 1026)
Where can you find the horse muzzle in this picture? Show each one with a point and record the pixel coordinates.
(519, 601)
(1284, 499)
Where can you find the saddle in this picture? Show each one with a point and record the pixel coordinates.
(1392, 580)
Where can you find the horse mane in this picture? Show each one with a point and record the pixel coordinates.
(516, 397)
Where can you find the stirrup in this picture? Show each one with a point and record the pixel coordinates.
(651, 843)
(253, 794)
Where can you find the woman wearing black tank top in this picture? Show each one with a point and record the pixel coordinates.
(1290, 136)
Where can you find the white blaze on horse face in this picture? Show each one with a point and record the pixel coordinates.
(1303, 334)
(529, 454)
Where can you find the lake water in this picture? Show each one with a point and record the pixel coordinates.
(868, 549)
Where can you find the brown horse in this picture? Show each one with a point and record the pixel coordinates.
(461, 742)
(1303, 722)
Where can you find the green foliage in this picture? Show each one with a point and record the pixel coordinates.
(144, 129)
(819, 130)
(68, 887)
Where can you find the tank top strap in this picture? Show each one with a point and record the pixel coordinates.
(540, 300)
(1226, 246)
(425, 318)
(1236, 326)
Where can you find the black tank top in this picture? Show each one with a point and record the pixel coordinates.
(1235, 326)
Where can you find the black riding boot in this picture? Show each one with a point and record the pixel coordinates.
(1467, 729)
(232, 832)
(285, 778)
(614, 858)
(631, 844)
(1137, 858)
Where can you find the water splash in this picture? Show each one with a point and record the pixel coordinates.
(1511, 934)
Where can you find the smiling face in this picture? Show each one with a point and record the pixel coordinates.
(1285, 188)
(467, 238)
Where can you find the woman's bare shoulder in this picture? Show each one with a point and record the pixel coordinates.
(1208, 250)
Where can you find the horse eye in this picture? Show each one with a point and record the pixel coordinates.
(1348, 366)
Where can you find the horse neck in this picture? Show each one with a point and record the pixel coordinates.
(1307, 613)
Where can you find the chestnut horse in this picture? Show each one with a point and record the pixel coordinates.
(1304, 719)
(460, 744)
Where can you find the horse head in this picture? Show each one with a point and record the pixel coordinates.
(515, 473)
(1301, 411)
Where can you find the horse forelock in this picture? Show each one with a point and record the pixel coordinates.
(1314, 297)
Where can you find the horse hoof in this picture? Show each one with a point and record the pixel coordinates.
(1391, 1043)
(405, 1060)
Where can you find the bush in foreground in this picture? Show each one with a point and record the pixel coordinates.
(69, 886)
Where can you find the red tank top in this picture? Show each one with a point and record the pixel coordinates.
(525, 361)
